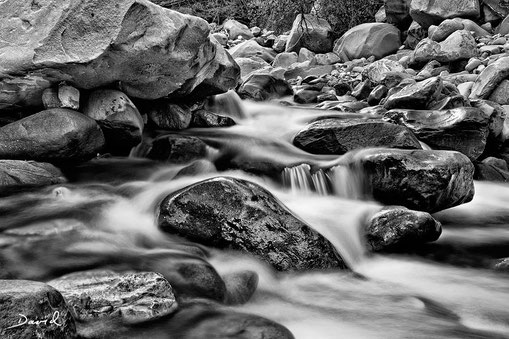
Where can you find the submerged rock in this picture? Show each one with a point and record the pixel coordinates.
(198, 322)
(421, 180)
(236, 214)
(54, 135)
(338, 136)
(30, 309)
(17, 172)
(134, 297)
(463, 129)
(177, 149)
(396, 227)
(150, 51)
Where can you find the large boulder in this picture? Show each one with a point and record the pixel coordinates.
(396, 227)
(150, 51)
(366, 40)
(17, 172)
(338, 136)
(310, 32)
(431, 12)
(460, 45)
(134, 297)
(231, 213)
(55, 135)
(30, 309)
(489, 79)
(420, 180)
(463, 129)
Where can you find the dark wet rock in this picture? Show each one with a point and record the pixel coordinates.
(306, 96)
(54, 135)
(415, 34)
(120, 136)
(366, 40)
(240, 286)
(134, 297)
(326, 97)
(496, 115)
(377, 94)
(167, 115)
(310, 32)
(492, 169)
(236, 214)
(462, 129)
(396, 228)
(17, 172)
(421, 180)
(204, 118)
(260, 87)
(251, 48)
(177, 149)
(39, 305)
(362, 90)
(338, 136)
(236, 29)
(198, 322)
(460, 45)
(490, 78)
(171, 53)
(430, 12)
(417, 96)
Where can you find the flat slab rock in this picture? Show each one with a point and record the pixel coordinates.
(134, 296)
(30, 309)
(338, 136)
(418, 179)
(226, 212)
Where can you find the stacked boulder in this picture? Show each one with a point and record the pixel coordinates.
(77, 74)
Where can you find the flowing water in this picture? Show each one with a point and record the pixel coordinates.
(107, 217)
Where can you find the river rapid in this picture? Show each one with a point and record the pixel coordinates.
(445, 289)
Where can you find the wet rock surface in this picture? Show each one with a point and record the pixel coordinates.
(30, 309)
(132, 296)
(422, 180)
(230, 213)
(17, 172)
(397, 228)
(336, 136)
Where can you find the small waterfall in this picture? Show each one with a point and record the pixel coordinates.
(347, 183)
(300, 180)
(341, 181)
(228, 104)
